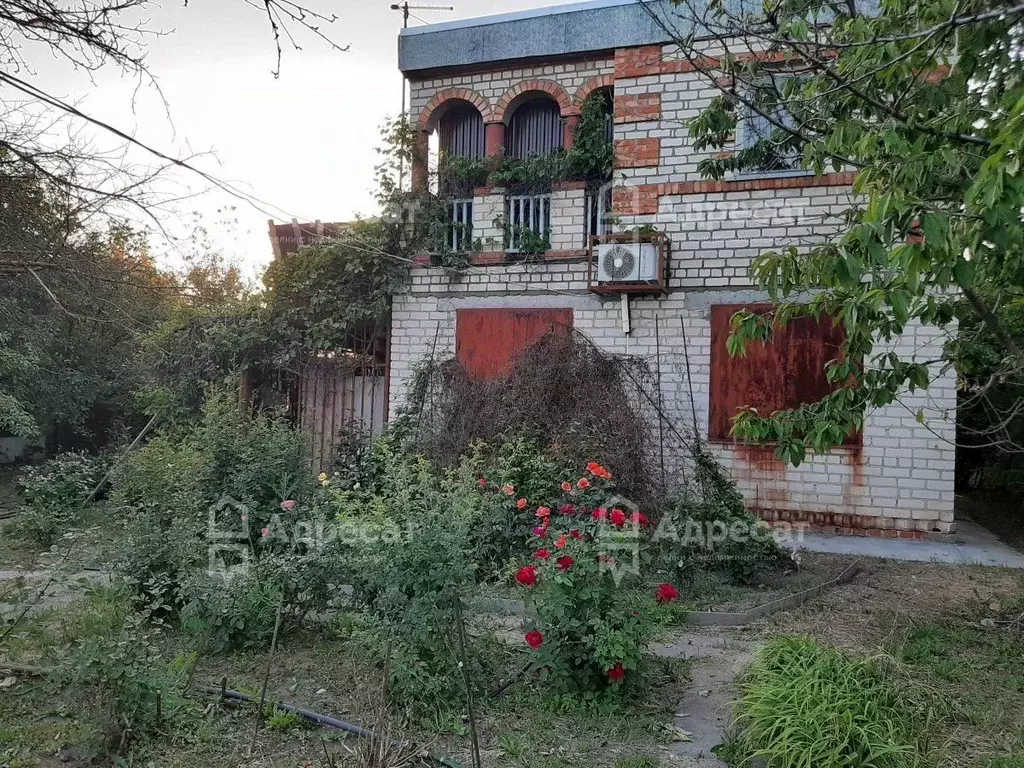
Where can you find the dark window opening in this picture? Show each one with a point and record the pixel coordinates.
(462, 132)
(535, 129)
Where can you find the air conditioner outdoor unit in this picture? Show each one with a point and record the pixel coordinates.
(619, 263)
(628, 264)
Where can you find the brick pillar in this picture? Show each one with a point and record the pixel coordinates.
(494, 139)
(569, 132)
(420, 158)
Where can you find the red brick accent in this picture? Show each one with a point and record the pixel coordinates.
(637, 109)
(426, 120)
(593, 84)
(938, 74)
(637, 153)
(848, 525)
(487, 259)
(526, 86)
(643, 198)
(691, 64)
(569, 131)
(565, 185)
(494, 139)
(496, 258)
(637, 62)
(635, 201)
(420, 154)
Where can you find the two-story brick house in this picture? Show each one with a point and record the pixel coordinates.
(514, 84)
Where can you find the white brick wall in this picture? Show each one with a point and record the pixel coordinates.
(902, 474)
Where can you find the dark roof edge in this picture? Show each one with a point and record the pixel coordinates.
(572, 30)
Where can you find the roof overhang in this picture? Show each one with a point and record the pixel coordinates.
(559, 32)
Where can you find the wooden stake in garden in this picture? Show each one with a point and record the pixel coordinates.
(460, 627)
(266, 674)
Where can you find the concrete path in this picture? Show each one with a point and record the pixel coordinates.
(718, 656)
(973, 545)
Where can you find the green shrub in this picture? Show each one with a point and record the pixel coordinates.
(241, 613)
(160, 492)
(117, 661)
(406, 542)
(712, 530)
(803, 704)
(498, 534)
(231, 463)
(55, 492)
(590, 631)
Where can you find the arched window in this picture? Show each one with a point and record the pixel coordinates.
(461, 132)
(535, 129)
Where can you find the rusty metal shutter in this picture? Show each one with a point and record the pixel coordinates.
(535, 129)
(488, 341)
(784, 374)
(462, 132)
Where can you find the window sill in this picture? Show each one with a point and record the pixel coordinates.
(504, 258)
(852, 447)
(754, 175)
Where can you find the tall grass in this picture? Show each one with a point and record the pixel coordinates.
(803, 705)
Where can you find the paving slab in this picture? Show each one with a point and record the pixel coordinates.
(718, 657)
(972, 545)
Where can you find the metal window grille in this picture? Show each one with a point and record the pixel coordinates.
(756, 127)
(535, 129)
(462, 225)
(598, 205)
(526, 214)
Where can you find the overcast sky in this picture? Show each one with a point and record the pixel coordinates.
(304, 142)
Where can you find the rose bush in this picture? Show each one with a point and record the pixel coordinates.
(589, 632)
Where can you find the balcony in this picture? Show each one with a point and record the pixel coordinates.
(495, 225)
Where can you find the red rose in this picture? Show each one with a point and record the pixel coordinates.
(542, 554)
(543, 512)
(508, 490)
(616, 673)
(575, 533)
(600, 514)
(598, 471)
(534, 639)
(521, 504)
(638, 518)
(482, 482)
(562, 541)
(618, 518)
(527, 575)
(566, 486)
(666, 594)
(583, 483)
(568, 509)
(565, 562)
(541, 532)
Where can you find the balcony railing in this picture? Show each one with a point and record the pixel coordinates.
(461, 235)
(529, 222)
(598, 213)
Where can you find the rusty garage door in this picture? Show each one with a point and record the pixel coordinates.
(487, 341)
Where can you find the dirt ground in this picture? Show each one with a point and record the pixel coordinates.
(887, 596)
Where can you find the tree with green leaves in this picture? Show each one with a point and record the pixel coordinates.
(924, 101)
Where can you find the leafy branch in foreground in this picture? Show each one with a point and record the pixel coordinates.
(933, 124)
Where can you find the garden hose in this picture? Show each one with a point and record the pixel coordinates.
(326, 720)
